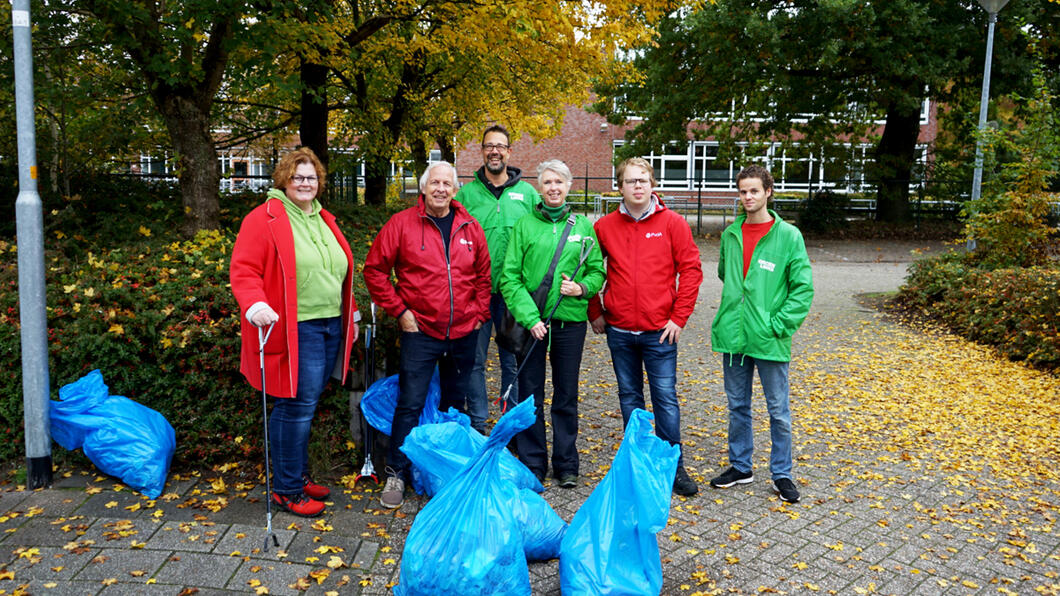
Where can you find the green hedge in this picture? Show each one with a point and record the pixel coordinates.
(156, 315)
(1016, 310)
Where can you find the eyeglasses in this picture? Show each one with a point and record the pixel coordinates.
(636, 181)
(301, 179)
(497, 146)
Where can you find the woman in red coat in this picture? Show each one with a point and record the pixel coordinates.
(292, 267)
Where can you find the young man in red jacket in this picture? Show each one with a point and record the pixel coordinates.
(653, 277)
(438, 253)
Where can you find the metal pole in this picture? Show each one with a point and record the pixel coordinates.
(984, 100)
(585, 200)
(29, 221)
(699, 200)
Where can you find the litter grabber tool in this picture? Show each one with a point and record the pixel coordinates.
(367, 432)
(263, 337)
(583, 255)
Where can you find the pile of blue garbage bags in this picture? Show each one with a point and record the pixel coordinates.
(121, 437)
(486, 518)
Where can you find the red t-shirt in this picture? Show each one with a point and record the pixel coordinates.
(752, 233)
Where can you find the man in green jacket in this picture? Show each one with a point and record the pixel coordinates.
(766, 295)
(497, 197)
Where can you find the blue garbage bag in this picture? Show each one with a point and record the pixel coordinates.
(380, 400)
(121, 437)
(610, 546)
(543, 528)
(440, 450)
(466, 540)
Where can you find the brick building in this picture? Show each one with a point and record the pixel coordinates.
(587, 145)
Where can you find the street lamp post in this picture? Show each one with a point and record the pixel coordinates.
(992, 7)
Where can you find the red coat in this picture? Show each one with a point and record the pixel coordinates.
(448, 297)
(644, 259)
(263, 270)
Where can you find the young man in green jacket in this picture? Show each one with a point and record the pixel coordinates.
(766, 295)
(497, 197)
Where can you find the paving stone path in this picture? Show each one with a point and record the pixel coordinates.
(869, 522)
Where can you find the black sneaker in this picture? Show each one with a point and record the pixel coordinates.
(568, 481)
(683, 485)
(786, 489)
(732, 476)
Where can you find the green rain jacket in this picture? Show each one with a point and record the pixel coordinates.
(498, 216)
(759, 313)
(530, 250)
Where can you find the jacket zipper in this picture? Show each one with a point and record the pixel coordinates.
(448, 269)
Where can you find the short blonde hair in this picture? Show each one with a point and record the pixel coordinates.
(290, 162)
(554, 165)
(620, 171)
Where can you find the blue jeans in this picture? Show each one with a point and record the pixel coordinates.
(739, 374)
(633, 354)
(477, 400)
(564, 344)
(420, 353)
(289, 424)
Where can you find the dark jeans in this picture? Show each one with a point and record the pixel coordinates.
(318, 347)
(420, 353)
(564, 342)
(634, 354)
(477, 400)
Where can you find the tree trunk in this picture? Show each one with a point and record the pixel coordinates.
(894, 162)
(200, 176)
(376, 170)
(313, 127)
(419, 157)
(445, 145)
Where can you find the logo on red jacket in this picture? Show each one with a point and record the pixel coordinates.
(653, 235)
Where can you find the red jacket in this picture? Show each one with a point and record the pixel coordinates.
(644, 260)
(263, 270)
(446, 305)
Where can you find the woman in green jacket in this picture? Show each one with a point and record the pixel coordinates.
(531, 248)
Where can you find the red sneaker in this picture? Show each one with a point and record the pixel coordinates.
(314, 490)
(299, 504)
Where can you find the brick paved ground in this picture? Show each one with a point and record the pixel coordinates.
(873, 519)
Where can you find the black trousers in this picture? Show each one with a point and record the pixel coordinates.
(564, 344)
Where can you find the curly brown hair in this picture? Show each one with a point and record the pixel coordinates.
(756, 171)
(290, 162)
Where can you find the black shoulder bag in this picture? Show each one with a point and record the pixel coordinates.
(510, 334)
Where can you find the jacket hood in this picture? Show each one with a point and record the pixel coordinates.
(514, 176)
(656, 206)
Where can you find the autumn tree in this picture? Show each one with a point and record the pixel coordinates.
(180, 52)
(87, 118)
(438, 79)
(816, 72)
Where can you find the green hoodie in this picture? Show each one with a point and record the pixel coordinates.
(530, 250)
(320, 263)
(497, 216)
(759, 313)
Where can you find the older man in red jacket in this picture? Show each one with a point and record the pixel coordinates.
(438, 253)
(653, 277)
